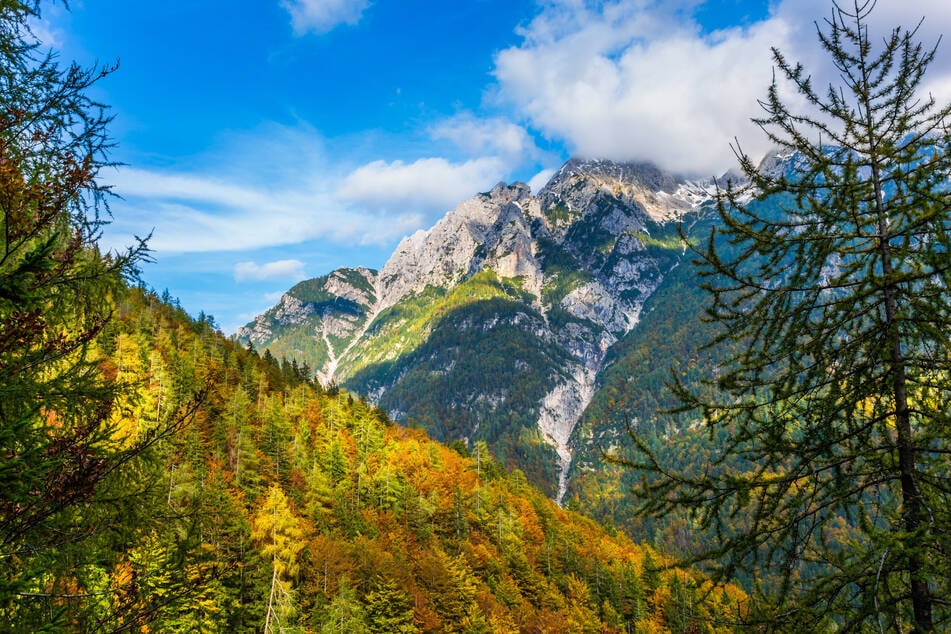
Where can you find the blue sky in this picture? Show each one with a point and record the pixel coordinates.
(270, 141)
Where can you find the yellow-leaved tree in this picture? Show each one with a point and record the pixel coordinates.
(279, 534)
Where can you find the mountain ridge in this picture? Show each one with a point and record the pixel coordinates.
(568, 268)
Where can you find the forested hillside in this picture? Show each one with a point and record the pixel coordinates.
(274, 503)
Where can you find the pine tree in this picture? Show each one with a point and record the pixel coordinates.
(834, 283)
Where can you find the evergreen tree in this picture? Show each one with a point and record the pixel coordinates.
(632, 594)
(835, 285)
(345, 613)
(66, 470)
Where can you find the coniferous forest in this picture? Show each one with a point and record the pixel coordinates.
(157, 476)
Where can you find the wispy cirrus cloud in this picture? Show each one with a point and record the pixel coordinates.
(45, 32)
(276, 186)
(323, 16)
(431, 184)
(277, 270)
(201, 213)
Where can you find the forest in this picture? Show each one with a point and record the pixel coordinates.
(261, 502)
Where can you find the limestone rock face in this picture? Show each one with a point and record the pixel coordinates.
(289, 310)
(352, 284)
(454, 248)
(555, 278)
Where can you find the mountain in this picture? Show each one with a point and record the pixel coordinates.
(498, 323)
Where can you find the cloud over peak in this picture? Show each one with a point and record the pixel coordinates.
(634, 80)
(486, 136)
(431, 184)
(626, 83)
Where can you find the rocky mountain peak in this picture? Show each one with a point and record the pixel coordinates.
(516, 192)
(564, 273)
(660, 196)
(642, 173)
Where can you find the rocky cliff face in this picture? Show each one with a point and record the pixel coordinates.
(488, 231)
(495, 324)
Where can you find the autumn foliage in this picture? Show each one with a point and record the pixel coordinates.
(291, 509)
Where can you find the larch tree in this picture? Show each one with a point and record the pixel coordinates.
(830, 277)
(280, 536)
(70, 478)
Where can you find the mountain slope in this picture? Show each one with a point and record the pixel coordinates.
(496, 324)
(318, 318)
(278, 502)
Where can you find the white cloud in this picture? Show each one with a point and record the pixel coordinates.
(280, 269)
(540, 179)
(322, 16)
(202, 213)
(887, 15)
(275, 186)
(492, 136)
(430, 184)
(633, 80)
(45, 33)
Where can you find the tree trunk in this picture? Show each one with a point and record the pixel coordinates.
(270, 602)
(912, 506)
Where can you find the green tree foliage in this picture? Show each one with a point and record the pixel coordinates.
(834, 414)
(461, 377)
(67, 471)
(346, 613)
(349, 519)
(389, 609)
